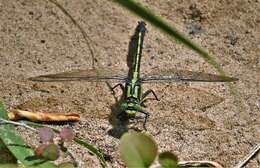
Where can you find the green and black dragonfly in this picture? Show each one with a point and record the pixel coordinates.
(134, 97)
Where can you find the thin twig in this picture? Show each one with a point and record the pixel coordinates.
(3, 121)
(85, 35)
(251, 154)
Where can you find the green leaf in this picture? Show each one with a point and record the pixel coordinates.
(168, 160)
(137, 150)
(17, 147)
(66, 165)
(3, 113)
(10, 166)
(5, 155)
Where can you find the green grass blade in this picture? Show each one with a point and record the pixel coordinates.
(79, 141)
(18, 147)
(92, 150)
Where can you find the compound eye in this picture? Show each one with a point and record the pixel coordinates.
(124, 106)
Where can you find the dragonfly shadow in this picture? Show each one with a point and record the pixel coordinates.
(116, 119)
(132, 47)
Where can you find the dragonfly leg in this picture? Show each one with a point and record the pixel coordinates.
(119, 84)
(149, 92)
(147, 115)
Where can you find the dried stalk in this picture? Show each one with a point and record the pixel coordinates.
(251, 154)
(42, 117)
(199, 163)
(3, 121)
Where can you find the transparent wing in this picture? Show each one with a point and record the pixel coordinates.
(174, 75)
(97, 75)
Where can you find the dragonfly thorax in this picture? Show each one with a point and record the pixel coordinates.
(133, 90)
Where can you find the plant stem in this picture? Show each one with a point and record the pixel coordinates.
(3, 121)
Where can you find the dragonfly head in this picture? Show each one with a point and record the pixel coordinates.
(124, 106)
(131, 107)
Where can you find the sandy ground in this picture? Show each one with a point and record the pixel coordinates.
(196, 121)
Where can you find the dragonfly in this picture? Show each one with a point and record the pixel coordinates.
(131, 83)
